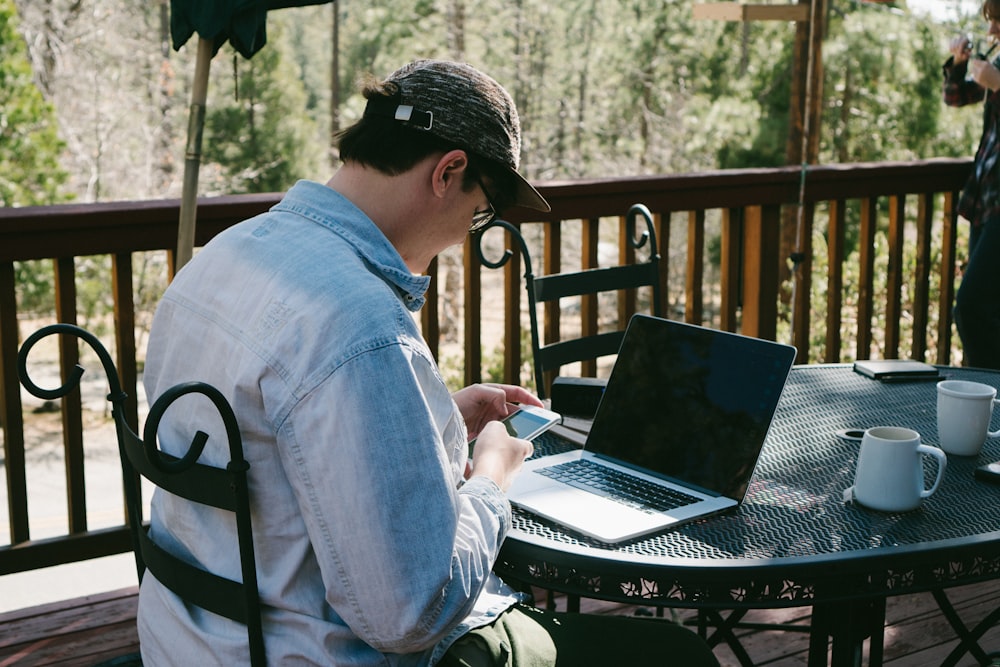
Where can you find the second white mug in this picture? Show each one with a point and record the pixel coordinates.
(964, 410)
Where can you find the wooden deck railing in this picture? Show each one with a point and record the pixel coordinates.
(905, 208)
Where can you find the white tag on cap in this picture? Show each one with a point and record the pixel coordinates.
(404, 112)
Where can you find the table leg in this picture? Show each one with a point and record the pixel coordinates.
(876, 643)
(842, 627)
(819, 636)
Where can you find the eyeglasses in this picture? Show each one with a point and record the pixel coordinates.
(482, 218)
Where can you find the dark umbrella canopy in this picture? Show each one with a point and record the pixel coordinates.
(241, 22)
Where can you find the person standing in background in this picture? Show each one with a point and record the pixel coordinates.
(969, 79)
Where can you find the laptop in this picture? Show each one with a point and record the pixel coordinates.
(685, 413)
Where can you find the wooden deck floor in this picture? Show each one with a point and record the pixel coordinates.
(78, 632)
(90, 629)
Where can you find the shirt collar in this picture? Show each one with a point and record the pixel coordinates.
(330, 209)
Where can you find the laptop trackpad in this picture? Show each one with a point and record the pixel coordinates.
(589, 513)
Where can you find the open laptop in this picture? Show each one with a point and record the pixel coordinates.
(686, 410)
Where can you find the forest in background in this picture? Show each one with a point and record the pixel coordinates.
(94, 102)
(604, 87)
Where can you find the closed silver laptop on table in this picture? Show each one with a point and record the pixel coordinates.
(676, 436)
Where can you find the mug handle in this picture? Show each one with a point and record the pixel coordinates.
(996, 433)
(942, 461)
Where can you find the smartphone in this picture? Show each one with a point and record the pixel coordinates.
(527, 423)
(989, 472)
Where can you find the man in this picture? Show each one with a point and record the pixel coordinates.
(374, 539)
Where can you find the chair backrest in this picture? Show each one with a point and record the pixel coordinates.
(222, 488)
(551, 355)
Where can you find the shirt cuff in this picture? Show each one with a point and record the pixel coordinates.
(486, 489)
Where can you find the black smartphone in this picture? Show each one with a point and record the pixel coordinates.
(989, 472)
(526, 422)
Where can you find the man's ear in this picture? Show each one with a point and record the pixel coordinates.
(449, 171)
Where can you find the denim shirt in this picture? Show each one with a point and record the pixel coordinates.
(370, 549)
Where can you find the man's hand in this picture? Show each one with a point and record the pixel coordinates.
(498, 455)
(483, 403)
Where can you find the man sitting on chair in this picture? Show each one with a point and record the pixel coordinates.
(374, 538)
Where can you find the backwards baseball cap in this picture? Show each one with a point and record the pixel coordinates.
(459, 104)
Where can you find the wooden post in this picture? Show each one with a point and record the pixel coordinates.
(735, 11)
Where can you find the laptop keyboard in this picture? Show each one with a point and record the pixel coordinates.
(618, 486)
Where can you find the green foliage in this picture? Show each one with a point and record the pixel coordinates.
(30, 173)
(493, 364)
(34, 281)
(261, 139)
(29, 145)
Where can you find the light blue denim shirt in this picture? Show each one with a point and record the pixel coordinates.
(370, 551)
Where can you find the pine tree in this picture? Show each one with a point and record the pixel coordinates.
(261, 137)
(29, 144)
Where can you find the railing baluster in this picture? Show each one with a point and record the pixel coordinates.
(866, 275)
(947, 269)
(473, 314)
(661, 222)
(694, 295)
(922, 277)
(589, 315)
(125, 348)
(430, 319)
(835, 279)
(11, 418)
(627, 299)
(731, 277)
(894, 275)
(802, 279)
(513, 282)
(72, 409)
(125, 351)
(760, 270)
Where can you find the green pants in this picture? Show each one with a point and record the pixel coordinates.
(528, 637)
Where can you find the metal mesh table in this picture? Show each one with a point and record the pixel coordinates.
(793, 542)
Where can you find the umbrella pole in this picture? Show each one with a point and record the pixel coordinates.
(192, 157)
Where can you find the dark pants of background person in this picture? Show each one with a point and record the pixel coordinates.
(977, 306)
(528, 637)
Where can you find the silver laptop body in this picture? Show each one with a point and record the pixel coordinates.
(686, 408)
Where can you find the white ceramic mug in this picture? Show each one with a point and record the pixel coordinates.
(964, 410)
(890, 471)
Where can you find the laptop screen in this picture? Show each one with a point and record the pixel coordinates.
(690, 404)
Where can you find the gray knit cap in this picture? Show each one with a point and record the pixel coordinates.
(460, 104)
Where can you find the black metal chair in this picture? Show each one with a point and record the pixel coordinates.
(222, 488)
(549, 357)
